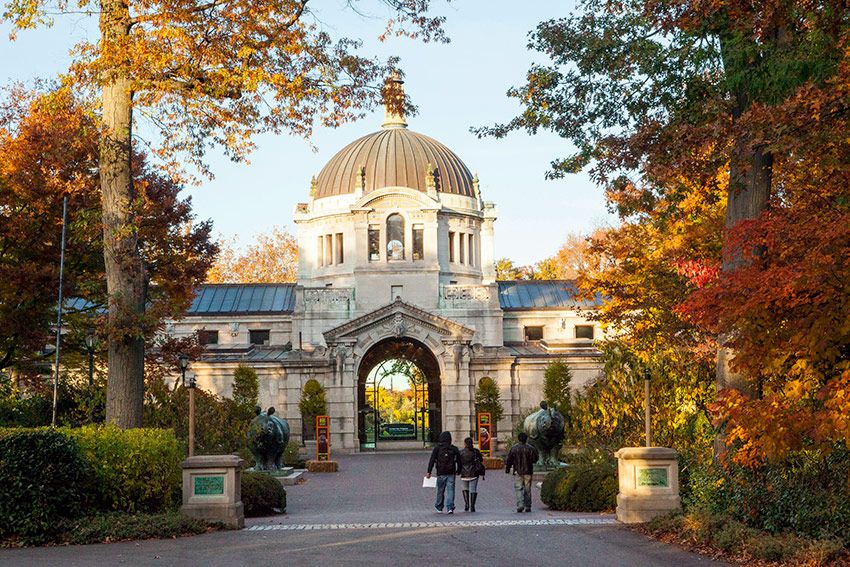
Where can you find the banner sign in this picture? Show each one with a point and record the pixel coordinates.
(323, 438)
(484, 433)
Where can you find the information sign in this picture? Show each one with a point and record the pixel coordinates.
(323, 438)
(484, 437)
(653, 477)
(211, 485)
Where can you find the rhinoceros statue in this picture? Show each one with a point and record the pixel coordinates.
(268, 436)
(545, 429)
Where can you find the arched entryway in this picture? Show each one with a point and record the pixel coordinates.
(374, 372)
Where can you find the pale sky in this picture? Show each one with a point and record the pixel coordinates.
(455, 86)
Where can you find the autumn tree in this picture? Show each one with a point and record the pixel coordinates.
(203, 74)
(49, 149)
(272, 258)
(717, 94)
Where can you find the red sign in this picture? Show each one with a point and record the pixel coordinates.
(323, 438)
(484, 433)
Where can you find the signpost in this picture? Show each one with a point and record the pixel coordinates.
(323, 438)
(484, 437)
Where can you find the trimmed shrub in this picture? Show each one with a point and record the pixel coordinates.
(292, 456)
(582, 487)
(262, 494)
(134, 469)
(43, 479)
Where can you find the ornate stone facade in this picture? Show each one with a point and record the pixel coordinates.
(396, 259)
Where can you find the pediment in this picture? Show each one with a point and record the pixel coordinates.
(400, 319)
(396, 197)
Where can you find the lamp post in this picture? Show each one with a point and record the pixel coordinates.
(190, 385)
(91, 343)
(646, 377)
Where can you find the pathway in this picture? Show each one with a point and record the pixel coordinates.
(375, 512)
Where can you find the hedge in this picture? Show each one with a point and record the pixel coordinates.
(43, 481)
(135, 469)
(262, 494)
(581, 487)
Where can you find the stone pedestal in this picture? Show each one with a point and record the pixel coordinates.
(212, 489)
(649, 483)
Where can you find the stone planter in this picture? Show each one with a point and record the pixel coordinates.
(649, 483)
(322, 466)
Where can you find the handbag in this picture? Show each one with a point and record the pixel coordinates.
(480, 469)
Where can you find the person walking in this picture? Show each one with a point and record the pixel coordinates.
(471, 467)
(447, 458)
(522, 457)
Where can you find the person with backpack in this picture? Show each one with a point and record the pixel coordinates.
(447, 458)
(522, 457)
(471, 467)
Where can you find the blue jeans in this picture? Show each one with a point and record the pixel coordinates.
(522, 487)
(445, 481)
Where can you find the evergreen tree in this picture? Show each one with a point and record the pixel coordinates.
(487, 400)
(556, 387)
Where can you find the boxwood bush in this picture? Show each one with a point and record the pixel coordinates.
(134, 469)
(262, 494)
(581, 487)
(43, 481)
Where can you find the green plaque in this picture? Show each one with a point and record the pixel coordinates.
(209, 485)
(654, 477)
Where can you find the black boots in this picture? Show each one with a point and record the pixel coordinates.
(474, 497)
(466, 501)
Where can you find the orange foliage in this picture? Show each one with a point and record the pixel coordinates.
(273, 258)
(800, 416)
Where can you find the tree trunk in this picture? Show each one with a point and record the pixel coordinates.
(124, 271)
(750, 180)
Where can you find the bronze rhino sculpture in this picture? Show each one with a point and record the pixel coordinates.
(545, 430)
(268, 436)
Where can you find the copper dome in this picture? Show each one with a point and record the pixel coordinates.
(394, 157)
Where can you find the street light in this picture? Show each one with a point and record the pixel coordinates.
(91, 343)
(646, 377)
(190, 385)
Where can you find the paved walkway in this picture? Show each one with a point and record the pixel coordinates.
(387, 487)
(375, 512)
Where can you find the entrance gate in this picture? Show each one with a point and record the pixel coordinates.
(378, 374)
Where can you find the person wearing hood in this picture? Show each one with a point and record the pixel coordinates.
(447, 458)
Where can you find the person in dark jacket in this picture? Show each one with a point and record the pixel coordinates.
(522, 457)
(447, 458)
(471, 467)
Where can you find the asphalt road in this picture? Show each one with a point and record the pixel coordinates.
(375, 512)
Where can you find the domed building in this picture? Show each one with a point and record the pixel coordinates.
(396, 263)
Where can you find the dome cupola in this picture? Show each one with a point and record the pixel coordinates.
(394, 156)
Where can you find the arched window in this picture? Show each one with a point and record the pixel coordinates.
(395, 237)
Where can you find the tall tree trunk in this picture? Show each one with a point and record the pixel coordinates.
(750, 180)
(124, 271)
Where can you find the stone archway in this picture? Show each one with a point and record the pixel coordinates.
(410, 350)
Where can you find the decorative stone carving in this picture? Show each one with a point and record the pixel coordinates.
(467, 296)
(327, 299)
